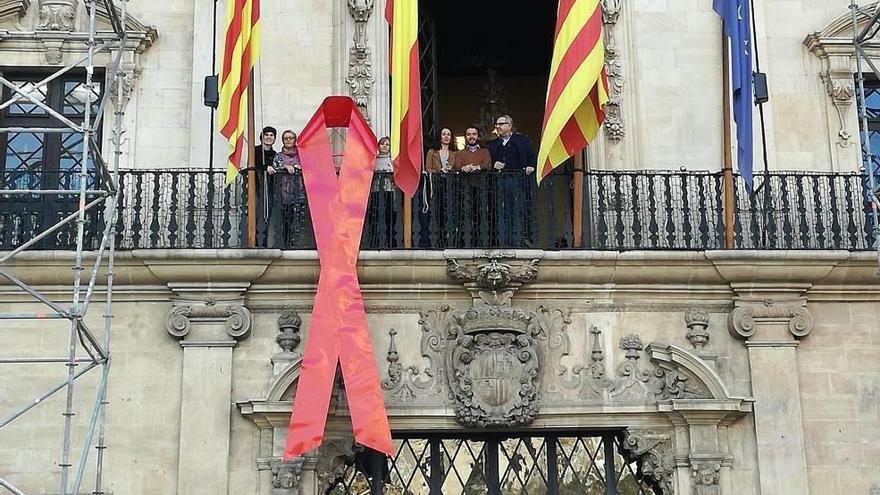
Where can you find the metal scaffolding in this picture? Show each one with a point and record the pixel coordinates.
(80, 338)
(861, 37)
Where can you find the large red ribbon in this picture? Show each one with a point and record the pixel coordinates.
(338, 330)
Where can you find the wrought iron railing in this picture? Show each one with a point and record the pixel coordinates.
(618, 211)
(804, 211)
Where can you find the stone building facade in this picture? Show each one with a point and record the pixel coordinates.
(713, 371)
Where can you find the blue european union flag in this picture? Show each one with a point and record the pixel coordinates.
(736, 22)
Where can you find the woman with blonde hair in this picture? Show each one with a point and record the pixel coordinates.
(297, 228)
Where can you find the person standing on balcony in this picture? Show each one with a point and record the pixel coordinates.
(513, 158)
(296, 228)
(473, 157)
(511, 150)
(432, 216)
(473, 205)
(264, 157)
(380, 228)
(440, 159)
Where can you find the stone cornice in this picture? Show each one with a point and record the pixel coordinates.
(600, 277)
(276, 414)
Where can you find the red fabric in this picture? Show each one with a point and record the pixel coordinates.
(338, 330)
(408, 166)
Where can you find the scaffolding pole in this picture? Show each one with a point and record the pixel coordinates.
(80, 338)
(860, 38)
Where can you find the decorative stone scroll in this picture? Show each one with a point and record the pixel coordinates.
(360, 64)
(747, 314)
(613, 124)
(400, 380)
(633, 382)
(237, 318)
(57, 15)
(591, 378)
(654, 448)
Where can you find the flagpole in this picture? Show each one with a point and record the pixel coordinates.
(728, 151)
(251, 176)
(407, 221)
(577, 217)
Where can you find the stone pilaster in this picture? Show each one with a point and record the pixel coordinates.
(209, 323)
(771, 322)
(201, 138)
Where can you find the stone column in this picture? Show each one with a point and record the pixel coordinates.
(209, 329)
(771, 324)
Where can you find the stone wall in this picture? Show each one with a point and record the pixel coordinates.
(664, 62)
(751, 320)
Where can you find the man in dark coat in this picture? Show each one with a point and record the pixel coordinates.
(264, 158)
(513, 158)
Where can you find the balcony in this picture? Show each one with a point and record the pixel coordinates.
(616, 211)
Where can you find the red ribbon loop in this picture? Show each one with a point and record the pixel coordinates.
(338, 330)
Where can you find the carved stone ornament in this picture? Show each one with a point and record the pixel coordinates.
(288, 338)
(494, 282)
(52, 51)
(592, 380)
(707, 477)
(746, 315)
(834, 48)
(360, 65)
(334, 456)
(613, 125)
(124, 81)
(697, 321)
(495, 368)
(632, 383)
(488, 362)
(841, 92)
(238, 318)
(57, 15)
(286, 478)
(655, 451)
(400, 380)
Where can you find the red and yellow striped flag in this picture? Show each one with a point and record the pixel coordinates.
(406, 104)
(578, 86)
(241, 49)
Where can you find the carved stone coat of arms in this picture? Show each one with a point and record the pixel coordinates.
(493, 367)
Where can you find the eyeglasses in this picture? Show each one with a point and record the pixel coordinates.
(501, 123)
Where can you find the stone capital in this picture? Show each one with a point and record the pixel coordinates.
(208, 313)
(779, 318)
(215, 323)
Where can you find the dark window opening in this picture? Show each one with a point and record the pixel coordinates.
(482, 59)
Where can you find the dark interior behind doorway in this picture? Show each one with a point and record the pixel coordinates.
(490, 58)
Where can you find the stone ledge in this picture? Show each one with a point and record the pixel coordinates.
(832, 274)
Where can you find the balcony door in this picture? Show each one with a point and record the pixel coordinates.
(47, 158)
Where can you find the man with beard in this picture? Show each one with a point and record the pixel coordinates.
(473, 157)
(474, 200)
